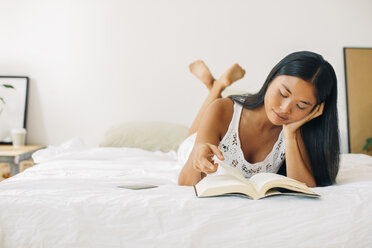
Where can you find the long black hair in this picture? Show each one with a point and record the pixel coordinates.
(321, 134)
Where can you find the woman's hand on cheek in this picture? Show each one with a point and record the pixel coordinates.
(291, 128)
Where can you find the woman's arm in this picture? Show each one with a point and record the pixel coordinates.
(212, 126)
(297, 159)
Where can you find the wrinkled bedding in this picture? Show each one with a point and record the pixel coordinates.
(72, 199)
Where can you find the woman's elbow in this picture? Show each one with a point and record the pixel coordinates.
(182, 182)
(311, 183)
(187, 181)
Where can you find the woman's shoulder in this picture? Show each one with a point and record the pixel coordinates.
(222, 110)
(223, 106)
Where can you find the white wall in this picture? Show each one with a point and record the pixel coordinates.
(95, 63)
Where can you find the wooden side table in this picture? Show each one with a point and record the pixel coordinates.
(15, 155)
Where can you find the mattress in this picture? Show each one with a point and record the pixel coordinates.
(72, 199)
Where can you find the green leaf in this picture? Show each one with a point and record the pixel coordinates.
(365, 147)
(368, 146)
(8, 86)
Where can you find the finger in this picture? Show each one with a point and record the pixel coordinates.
(216, 151)
(311, 115)
(322, 108)
(210, 171)
(317, 111)
(196, 167)
(207, 167)
(201, 165)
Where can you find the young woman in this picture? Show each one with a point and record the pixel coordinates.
(289, 127)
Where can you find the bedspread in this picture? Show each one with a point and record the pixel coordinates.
(72, 199)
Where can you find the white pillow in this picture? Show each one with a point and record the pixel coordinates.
(148, 135)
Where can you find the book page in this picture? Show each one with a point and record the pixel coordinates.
(232, 171)
(258, 186)
(259, 180)
(223, 184)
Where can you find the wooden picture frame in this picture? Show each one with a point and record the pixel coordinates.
(13, 105)
(358, 85)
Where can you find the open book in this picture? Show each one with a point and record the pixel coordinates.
(258, 186)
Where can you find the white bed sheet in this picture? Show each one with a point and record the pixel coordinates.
(71, 199)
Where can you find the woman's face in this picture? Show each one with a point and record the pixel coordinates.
(289, 99)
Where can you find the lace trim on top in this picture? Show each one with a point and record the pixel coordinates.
(234, 156)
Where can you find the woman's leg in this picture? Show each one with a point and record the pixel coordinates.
(201, 71)
(215, 87)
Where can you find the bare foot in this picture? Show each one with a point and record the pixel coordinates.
(201, 71)
(234, 73)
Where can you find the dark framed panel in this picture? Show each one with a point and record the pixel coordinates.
(358, 80)
(13, 105)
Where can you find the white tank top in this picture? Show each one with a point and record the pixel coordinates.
(234, 156)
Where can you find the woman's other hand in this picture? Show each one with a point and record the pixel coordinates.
(291, 128)
(212, 127)
(202, 160)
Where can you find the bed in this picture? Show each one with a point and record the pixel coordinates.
(71, 198)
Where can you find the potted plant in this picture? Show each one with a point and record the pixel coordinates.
(2, 103)
(368, 146)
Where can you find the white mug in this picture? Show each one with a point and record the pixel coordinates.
(18, 137)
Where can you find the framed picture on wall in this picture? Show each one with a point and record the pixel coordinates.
(13, 105)
(358, 79)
